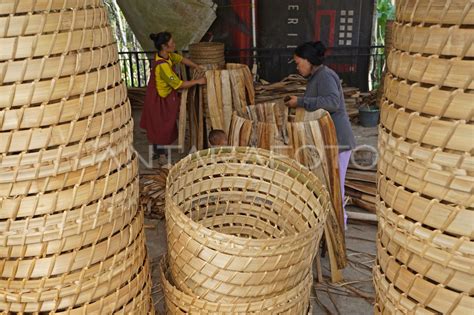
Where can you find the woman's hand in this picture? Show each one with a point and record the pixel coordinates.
(292, 102)
(201, 81)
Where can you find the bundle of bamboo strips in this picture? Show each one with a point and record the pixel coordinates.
(426, 174)
(210, 107)
(152, 193)
(308, 137)
(243, 227)
(70, 226)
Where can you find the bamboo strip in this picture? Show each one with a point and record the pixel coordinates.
(435, 11)
(15, 95)
(434, 39)
(36, 138)
(182, 119)
(459, 163)
(56, 201)
(22, 47)
(433, 100)
(445, 134)
(452, 219)
(454, 72)
(27, 6)
(60, 66)
(47, 22)
(226, 100)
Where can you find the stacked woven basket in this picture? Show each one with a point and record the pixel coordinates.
(208, 54)
(426, 170)
(243, 227)
(71, 232)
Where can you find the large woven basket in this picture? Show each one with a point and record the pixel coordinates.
(425, 248)
(70, 228)
(242, 224)
(207, 53)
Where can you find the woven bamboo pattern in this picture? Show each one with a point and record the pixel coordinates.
(425, 249)
(208, 53)
(294, 301)
(71, 230)
(231, 235)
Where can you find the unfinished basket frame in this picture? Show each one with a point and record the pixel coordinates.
(27, 6)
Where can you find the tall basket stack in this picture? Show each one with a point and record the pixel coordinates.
(425, 250)
(243, 226)
(71, 234)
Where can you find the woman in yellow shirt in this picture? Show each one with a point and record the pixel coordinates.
(161, 105)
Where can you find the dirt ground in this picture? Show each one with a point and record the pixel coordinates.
(352, 296)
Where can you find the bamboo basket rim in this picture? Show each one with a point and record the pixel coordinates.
(453, 135)
(55, 202)
(436, 297)
(431, 155)
(431, 100)
(46, 5)
(56, 174)
(58, 264)
(454, 253)
(73, 108)
(64, 224)
(22, 25)
(433, 39)
(454, 219)
(232, 307)
(420, 185)
(45, 91)
(50, 67)
(448, 278)
(63, 134)
(287, 163)
(435, 11)
(66, 152)
(83, 290)
(64, 42)
(454, 72)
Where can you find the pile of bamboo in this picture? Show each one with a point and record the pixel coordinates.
(208, 107)
(308, 137)
(361, 179)
(425, 250)
(70, 226)
(152, 193)
(243, 227)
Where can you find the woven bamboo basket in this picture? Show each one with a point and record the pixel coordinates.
(294, 301)
(435, 11)
(207, 53)
(229, 208)
(71, 233)
(436, 40)
(459, 162)
(442, 133)
(453, 72)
